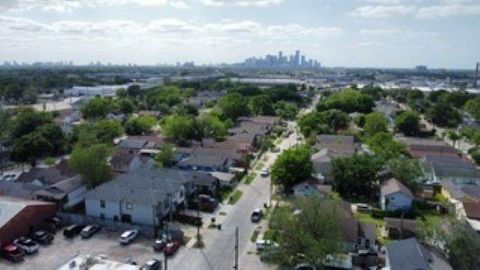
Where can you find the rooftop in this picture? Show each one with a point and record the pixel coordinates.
(393, 186)
(410, 254)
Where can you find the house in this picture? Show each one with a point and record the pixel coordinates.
(387, 108)
(472, 214)
(399, 228)
(311, 188)
(56, 184)
(337, 145)
(100, 262)
(395, 196)
(321, 162)
(411, 254)
(356, 235)
(120, 162)
(143, 196)
(20, 217)
(146, 195)
(205, 163)
(452, 169)
(132, 144)
(67, 193)
(420, 148)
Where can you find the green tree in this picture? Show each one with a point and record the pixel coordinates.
(213, 127)
(28, 121)
(134, 91)
(97, 108)
(107, 130)
(30, 147)
(285, 110)
(54, 135)
(125, 105)
(311, 235)
(444, 115)
(473, 108)
(348, 100)
(356, 177)
(166, 155)
(261, 105)
(233, 105)
(375, 122)
(463, 246)
(91, 163)
(180, 128)
(334, 119)
(408, 123)
(453, 136)
(385, 146)
(292, 166)
(139, 125)
(408, 171)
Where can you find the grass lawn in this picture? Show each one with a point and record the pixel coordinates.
(259, 166)
(249, 178)
(367, 218)
(233, 199)
(254, 236)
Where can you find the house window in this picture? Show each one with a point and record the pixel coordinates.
(392, 198)
(102, 216)
(129, 206)
(102, 203)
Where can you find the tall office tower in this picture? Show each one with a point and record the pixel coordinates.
(297, 57)
(475, 84)
(280, 55)
(303, 61)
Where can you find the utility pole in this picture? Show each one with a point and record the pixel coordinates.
(166, 261)
(236, 249)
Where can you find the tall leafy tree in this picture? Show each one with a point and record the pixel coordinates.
(292, 166)
(356, 177)
(139, 125)
(408, 123)
(375, 122)
(91, 163)
(233, 105)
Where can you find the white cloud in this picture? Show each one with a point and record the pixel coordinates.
(240, 2)
(14, 24)
(382, 11)
(449, 10)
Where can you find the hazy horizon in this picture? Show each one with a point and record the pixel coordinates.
(350, 33)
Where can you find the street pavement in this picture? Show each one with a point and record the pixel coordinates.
(219, 250)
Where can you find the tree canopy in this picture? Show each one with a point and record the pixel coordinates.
(292, 166)
(444, 115)
(348, 100)
(375, 122)
(408, 123)
(233, 105)
(91, 163)
(140, 125)
(355, 177)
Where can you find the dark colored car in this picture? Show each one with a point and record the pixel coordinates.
(159, 244)
(205, 203)
(171, 248)
(154, 264)
(43, 237)
(257, 215)
(89, 231)
(12, 253)
(26, 244)
(55, 222)
(72, 231)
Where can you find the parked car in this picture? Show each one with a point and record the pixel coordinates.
(159, 244)
(257, 215)
(43, 237)
(264, 243)
(171, 248)
(265, 172)
(72, 231)
(89, 230)
(269, 254)
(12, 253)
(204, 202)
(305, 266)
(153, 264)
(128, 236)
(55, 222)
(363, 207)
(27, 245)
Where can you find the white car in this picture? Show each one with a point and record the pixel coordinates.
(27, 245)
(264, 243)
(128, 236)
(265, 172)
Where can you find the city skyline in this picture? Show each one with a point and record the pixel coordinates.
(352, 33)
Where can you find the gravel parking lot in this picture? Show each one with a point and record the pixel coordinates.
(104, 242)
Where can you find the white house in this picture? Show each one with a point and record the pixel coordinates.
(395, 196)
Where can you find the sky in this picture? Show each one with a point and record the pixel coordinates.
(350, 33)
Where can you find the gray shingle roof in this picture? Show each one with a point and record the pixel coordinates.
(410, 254)
(393, 185)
